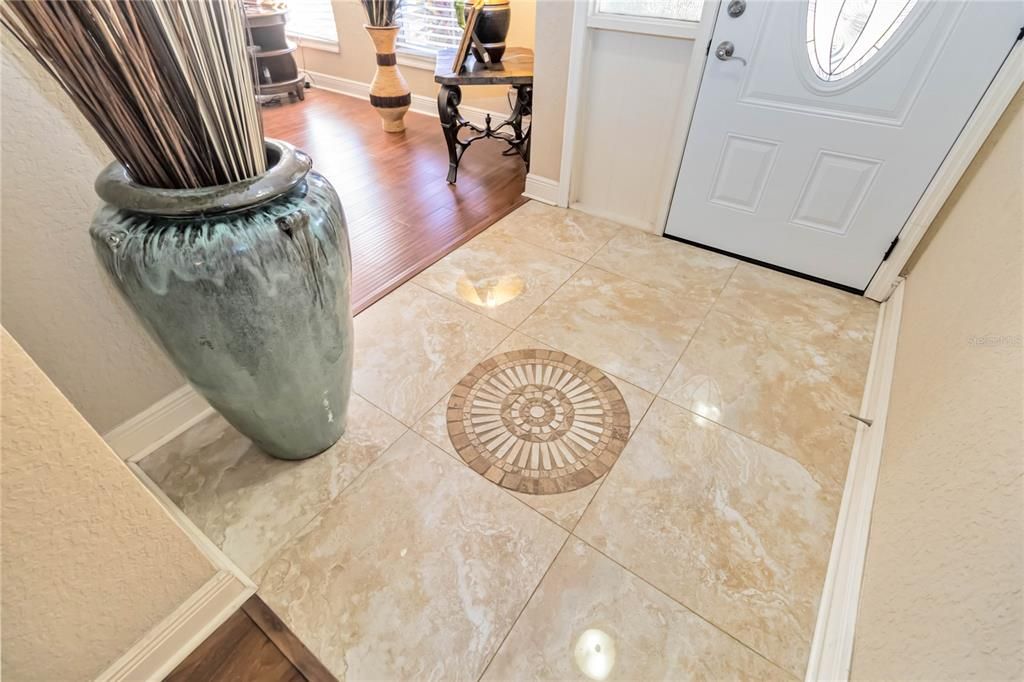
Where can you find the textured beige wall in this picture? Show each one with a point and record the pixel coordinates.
(944, 584)
(56, 301)
(91, 561)
(357, 59)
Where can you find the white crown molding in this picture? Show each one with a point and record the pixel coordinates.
(832, 646)
(542, 189)
(157, 424)
(421, 104)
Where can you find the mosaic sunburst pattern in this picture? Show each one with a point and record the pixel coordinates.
(538, 421)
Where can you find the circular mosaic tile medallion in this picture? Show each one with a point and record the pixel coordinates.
(538, 421)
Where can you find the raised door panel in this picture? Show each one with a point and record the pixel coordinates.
(743, 171)
(834, 191)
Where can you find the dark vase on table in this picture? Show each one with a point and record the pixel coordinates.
(492, 28)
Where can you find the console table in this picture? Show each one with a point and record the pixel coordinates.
(515, 69)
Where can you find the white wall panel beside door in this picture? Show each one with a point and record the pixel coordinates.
(632, 92)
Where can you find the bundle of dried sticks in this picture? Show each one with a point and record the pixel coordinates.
(167, 84)
(381, 13)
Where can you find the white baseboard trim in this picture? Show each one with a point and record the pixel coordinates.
(628, 221)
(542, 189)
(157, 424)
(832, 646)
(169, 642)
(421, 104)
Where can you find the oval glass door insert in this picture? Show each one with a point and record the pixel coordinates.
(844, 35)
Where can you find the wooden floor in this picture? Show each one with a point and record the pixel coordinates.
(253, 644)
(401, 213)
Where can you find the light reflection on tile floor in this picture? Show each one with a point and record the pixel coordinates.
(699, 556)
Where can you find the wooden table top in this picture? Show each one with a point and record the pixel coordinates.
(516, 68)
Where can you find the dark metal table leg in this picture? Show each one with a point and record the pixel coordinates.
(519, 139)
(524, 107)
(448, 111)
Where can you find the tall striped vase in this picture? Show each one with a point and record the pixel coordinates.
(389, 93)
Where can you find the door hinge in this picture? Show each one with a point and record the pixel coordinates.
(707, 50)
(1020, 34)
(888, 252)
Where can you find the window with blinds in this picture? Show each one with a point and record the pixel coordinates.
(428, 26)
(312, 19)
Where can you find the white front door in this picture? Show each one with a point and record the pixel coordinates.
(812, 155)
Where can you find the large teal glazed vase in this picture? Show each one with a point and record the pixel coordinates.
(247, 287)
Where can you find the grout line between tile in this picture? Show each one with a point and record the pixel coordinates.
(525, 605)
(609, 473)
(527, 242)
(469, 306)
(619, 228)
(704, 319)
(842, 320)
(711, 307)
(504, 490)
(685, 606)
(284, 545)
(449, 388)
(655, 287)
(608, 241)
(768, 329)
(600, 484)
(658, 395)
(745, 436)
(546, 299)
(378, 407)
(571, 533)
(459, 459)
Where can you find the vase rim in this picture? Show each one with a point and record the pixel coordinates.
(287, 167)
(392, 27)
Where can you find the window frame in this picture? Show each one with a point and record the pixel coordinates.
(652, 26)
(308, 41)
(417, 59)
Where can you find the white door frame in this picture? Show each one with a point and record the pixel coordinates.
(579, 48)
(993, 103)
(984, 117)
(694, 75)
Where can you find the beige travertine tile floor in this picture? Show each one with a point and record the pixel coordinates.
(702, 553)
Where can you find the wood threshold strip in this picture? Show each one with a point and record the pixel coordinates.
(308, 665)
(254, 645)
